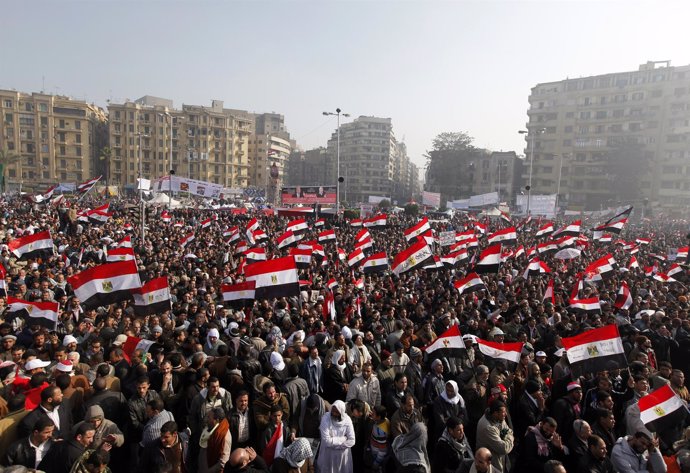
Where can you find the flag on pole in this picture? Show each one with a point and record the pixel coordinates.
(596, 350)
(274, 278)
(501, 351)
(44, 314)
(152, 297)
(449, 343)
(85, 187)
(662, 409)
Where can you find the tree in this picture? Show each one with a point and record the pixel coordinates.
(7, 158)
(106, 154)
(412, 209)
(384, 204)
(450, 165)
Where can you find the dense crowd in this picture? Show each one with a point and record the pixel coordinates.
(281, 385)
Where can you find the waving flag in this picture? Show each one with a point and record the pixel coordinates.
(85, 187)
(243, 291)
(455, 257)
(586, 306)
(376, 221)
(206, 223)
(507, 236)
(186, 240)
(489, 260)
(302, 257)
(662, 409)
(274, 278)
(132, 344)
(571, 229)
(623, 298)
(544, 230)
(327, 235)
(153, 297)
(375, 263)
(255, 254)
(596, 350)
(320, 223)
(549, 295)
(126, 242)
(470, 283)
(415, 256)
(44, 314)
(501, 351)
(355, 257)
(120, 254)
(332, 284)
(297, 225)
(356, 222)
(462, 236)
(480, 227)
(286, 239)
(417, 229)
(166, 217)
(449, 343)
(106, 284)
(31, 246)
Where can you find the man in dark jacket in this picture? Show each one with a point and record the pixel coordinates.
(113, 403)
(51, 407)
(530, 408)
(137, 416)
(63, 455)
(29, 451)
(296, 389)
(452, 449)
(171, 449)
(241, 420)
(541, 444)
(595, 460)
(566, 409)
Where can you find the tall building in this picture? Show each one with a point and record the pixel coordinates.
(269, 147)
(206, 143)
(372, 161)
(611, 139)
(49, 138)
(500, 171)
(310, 168)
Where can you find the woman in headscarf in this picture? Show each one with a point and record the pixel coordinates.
(337, 440)
(295, 458)
(213, 341)
(410, 450)
(449, 404)
(359, 354)
(337, 378)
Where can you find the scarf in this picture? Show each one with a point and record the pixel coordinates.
(297, 453)
(457, 398)
(335, 358)
(215, 443)
(542, 443)
(212, 333)
(274, 445)
(410, 448)
(460, 447)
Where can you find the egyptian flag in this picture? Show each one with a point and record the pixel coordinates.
(252, 225)
(133, 344)
(259, 235)
(454, 258)
(415, 256)
(44, 314)
(633, 263)
(376, 221)
(417, 229)
(470, 243)
(674, 269)
(327, 235)
(342, 256)
(586, 306)
(375, 263)
(614, 223)
(47, 195)
(434, 264)
(470, 283)
(665, 278)
(120, 254)
(243, 291)
(662, 409)
(355, 257)
(286, 239)
(328, 309)
(153, 297)
(85, 187)
(566, 242)
(546, 229)
(232, 234)
(571, 229)
(448, 344)
(505, 217)
(623, 298)
(165, 216)
(332, 284)
(606, 238)
(480, 227)
(547, 248)
(241, 247)
(519, 251)
(3, 275)
(462, 236)
(358, 283)
(356, 222)
(596, 350)
(603, 267)
(31, 246)
(178, 224)
(549, 293)
(302, 257)
(100, 214)
(363, 234)
(682, 253)
(427, 237)
(187, 240)
(643, 241)
(489, 260)
(126, 242)
(255, 254)
(507, 236)
(274, 278)
(500, 351)
(320, 222)
(206, 223)
(535, 268)
(297, 225)
(105, 284)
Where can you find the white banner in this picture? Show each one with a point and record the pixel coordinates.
(375, 199)
(366, 210)
(144, 184)
(192, 186)
(544, 205)
(484, 199)
(432, 199)
(462, 204)
(446, 238)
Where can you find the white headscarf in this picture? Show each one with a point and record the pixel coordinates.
(335, 358)
(212, 333)
(456, 398)
(340, 407)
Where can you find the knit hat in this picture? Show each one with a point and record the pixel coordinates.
(64, 366)
(573, 386)
(415, 352)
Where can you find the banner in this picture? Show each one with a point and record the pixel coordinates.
(375, 199)
(192, 186)
(446, 238)
(544, 205)
(432, 199)
(308, 195)
(484, 199)
(366, 210)
(462, 204)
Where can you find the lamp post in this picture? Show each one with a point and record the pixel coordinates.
(141, 190)
(168, 165)
(340, 179)
(531, 161)
(560, 173)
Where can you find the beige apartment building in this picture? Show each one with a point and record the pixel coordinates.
(313, 167)
(206, 143)
(49, 139)
(373, 162)
(499, 171)
(614, 138)
(270, 145)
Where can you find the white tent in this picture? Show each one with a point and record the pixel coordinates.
(163, 200)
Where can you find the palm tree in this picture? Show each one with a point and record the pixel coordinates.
(7, 158)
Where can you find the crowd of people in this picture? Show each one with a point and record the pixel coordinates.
(287, 385)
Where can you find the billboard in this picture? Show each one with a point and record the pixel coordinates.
(544, 205)
(192, 186)
(431, 199)
(308, 195)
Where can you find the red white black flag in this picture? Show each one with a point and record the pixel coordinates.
(31, 246)
(623, 298)
(662, 409)
(85, 187)
(415, 256)
(153, 297)
(489, 260)
(44, 314)
(596, 350)
(449, 343)
(375, 263)
(501, 351)
(507, 236)
(470, 283)
(106, 284)
(243, 291)
(417, 229)
(274, 278)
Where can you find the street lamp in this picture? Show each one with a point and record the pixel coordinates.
(141, 189)
(531, 160)
(340, 179)
(560, 173)
(165, 122)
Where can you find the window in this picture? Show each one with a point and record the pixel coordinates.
(570, 115)
(63, 150)
(8, 104)
(61, 124)
(77, 124)
(601, 114)
(567, 142)
(9, 118)
(43, 107)
(585, 115)
(638, 96)
(618, 113)
(63, 163)
(78, 137)
(44, 122)
(568, 129)
(78, 151)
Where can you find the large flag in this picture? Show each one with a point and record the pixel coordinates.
(85, 187)
(187, 240)
(105, 284)
(286, 239)
(586, 306)
(243, 291)
(126, 242)
(274, 278)
(355, 257)
(375, 263)
(571, 229)
(417, 229)
(362, 235)
(364, 244)
(297, 225)
(453, 258)
(415, 256)
(31, 246)
(507, 236)
(620, 216)
(44, 314)
(502, 351)
(327, 235)
(153, 297)
(662, 409)
(596, 350)
(255, 254)
(489, 260)
(623, 299)
(470, 283)
(302, 256)
(449, 343)
(376, 221)
(546, 229)
(120, 254)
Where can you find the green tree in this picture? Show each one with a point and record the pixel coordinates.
(104, 158)
(384, 204)
(450, 165)
(412, 209)
(7, 158)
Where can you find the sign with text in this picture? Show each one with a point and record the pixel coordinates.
(431, 199)
(308, 195)
(446, 238)
(192, 186)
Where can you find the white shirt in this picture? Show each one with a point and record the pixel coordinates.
(41, 450)
(54, 416)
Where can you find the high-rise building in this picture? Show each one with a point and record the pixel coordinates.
(372, 161)
(269, 151)
(500, 171)
(49, 138)
(612, 139)
(206, 143)
(311, 168)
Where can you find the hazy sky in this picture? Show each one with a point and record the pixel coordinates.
(431, 66)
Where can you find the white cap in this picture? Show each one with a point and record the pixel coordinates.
(120, 339)
(69, 339)
(64, 366)
(34, 364)
(277, 361)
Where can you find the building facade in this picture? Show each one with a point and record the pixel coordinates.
(313, 167)
(603, 140)
(270, 147)
(49, 139)
(206, 143)
(499, 171)
(372, 161)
